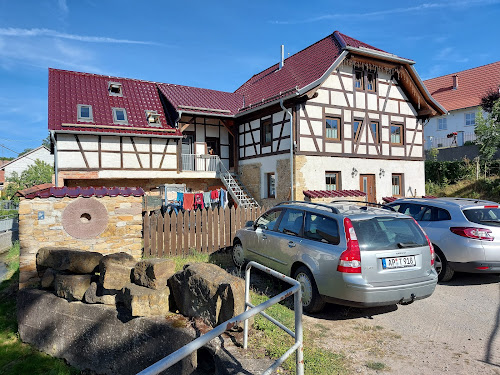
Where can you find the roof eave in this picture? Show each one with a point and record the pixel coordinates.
(117, 134)
(419, 81)
(379, 55)
(184, 112)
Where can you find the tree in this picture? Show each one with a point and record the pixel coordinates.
(38, 173)
(46, 142)
(489, 99)
(488, 132)
(26, 150)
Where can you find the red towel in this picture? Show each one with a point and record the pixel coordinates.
(198, 199)
(214, 194)
(188, 201)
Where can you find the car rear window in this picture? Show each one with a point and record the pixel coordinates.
(321, 228)
(486, 216)
(386, 233)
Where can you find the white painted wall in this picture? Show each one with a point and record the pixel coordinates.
(25, 161)
(316, 166)
(455, 122)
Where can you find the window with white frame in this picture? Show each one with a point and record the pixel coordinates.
(442, 124)
(271, 185)
(85, 113)
(120, 116)
(470, 119)
(152, 117)
(115, 89)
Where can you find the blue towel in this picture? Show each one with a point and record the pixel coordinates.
(180, 198)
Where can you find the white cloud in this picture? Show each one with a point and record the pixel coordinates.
(17, 32)
(63, 6)
(422, 7)
(450, 55)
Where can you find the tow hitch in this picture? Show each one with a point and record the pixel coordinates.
(404, 303)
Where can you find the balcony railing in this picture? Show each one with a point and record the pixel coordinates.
(445, 142)
(199, 163)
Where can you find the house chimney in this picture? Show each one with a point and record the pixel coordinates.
(282, 62)
(455, 82)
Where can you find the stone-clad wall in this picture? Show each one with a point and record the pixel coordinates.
(122, 233)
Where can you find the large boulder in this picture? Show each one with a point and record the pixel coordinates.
(97, 294)
(48, 278)
(153, 273)
(142, 301)
(64, 259)
(115, 270)
(207, 291)
(72, 287)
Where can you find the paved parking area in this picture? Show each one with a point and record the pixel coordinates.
(456, 331)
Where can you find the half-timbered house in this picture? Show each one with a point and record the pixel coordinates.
(338, 115)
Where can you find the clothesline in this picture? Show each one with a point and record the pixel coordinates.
(193, 201)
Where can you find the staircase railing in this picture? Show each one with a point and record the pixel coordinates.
(233, 187)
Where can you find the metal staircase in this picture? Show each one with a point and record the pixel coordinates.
(235, 187)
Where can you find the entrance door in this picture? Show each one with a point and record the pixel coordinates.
(367, 184)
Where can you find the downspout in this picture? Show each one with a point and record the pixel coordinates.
(291, 148)
(55, 157)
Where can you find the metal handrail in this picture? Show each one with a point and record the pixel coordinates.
(186, 350)
(222, 170)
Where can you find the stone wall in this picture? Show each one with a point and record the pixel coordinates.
(116, 228)
(250, 177)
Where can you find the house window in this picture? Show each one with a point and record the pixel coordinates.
(356, 129)
(332, 180)
(442, 124)
(374, 126)
(397, 134)
(333, 128)
(470, 119)
(152, 117)
(115, 89)
(397, 184)
(85, 113)
(370, 81)
(120, 116)
(271, 185)
(266, 132)
(358, 79)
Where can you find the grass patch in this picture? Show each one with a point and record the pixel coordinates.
(193, 257)
(17, 358)
(379, 366)
(276, 342)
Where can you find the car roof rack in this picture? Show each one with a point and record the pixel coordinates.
(384, 206)
(333, 209)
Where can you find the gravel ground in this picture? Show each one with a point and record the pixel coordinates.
(455, 331)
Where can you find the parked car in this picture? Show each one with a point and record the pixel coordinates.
(342, 252)
(465, 233)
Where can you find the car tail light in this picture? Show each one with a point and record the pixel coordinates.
(350, 259)
(428, 241)
(475, 233)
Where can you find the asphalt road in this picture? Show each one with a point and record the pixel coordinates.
(455, 331)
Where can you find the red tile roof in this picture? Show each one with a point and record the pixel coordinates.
(194, 99)
(472, 85)
(68, 89)
(74, 192)
(333, 193)
(33, 189)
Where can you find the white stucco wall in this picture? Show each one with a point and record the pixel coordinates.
(455, 123)
(25, 161)
(313, 172)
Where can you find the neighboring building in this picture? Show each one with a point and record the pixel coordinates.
(357, 115)
(23, 162)
(460, 94)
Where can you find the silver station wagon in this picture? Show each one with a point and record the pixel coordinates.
(464, 232)
(342, 252)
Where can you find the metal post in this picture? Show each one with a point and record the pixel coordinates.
(247, 301)
(299, 357)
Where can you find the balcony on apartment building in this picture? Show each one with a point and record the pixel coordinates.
(455, 139)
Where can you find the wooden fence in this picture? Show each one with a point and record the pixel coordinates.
(167, 235)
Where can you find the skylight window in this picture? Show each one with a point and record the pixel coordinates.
(85, 113)
(153, 118)
(120, 116)
(115, 89)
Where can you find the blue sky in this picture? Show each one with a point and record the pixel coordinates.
(217, 45)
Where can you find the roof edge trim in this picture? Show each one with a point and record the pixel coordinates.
(381, 55)
(426, 92)
(325, 75)
(56, 131)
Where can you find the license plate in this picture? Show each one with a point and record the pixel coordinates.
(399, 262)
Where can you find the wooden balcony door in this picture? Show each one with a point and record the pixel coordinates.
(367, 184)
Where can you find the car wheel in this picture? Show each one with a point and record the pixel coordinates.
(443, 269)
(311, 300)
(237, 255)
